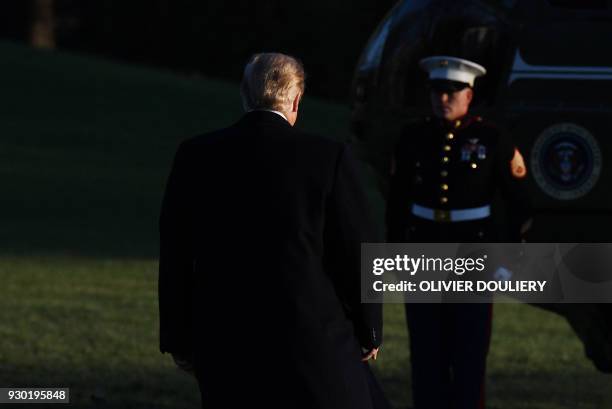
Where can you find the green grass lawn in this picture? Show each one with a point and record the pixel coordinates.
(85, 150)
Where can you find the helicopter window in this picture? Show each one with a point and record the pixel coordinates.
(471, 31)
(401, 75)
(372, 55)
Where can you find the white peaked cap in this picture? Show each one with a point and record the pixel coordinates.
(452, 68)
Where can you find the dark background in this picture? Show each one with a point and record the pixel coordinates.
(212, 38)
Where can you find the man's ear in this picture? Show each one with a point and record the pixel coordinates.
(296, 102)
(470, 94)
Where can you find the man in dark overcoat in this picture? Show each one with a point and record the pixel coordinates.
(259, 281)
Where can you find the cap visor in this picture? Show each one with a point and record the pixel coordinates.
(447, 85)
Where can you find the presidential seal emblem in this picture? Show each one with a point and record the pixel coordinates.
(566, 161)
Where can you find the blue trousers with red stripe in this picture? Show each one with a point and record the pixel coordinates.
(449, 344)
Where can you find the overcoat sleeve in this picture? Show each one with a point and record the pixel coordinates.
(349, 222)
(176, 259)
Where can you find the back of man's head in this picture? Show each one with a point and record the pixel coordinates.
(272, 81)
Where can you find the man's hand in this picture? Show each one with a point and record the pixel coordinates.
(184, 363)
(367, 355)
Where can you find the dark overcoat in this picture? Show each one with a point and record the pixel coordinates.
(259, 278)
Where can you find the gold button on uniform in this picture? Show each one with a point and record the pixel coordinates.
(444, 186)
(474, 165)
(450, 136)
(443, 200)
(444, 173)
(447, 148)
(445, 159)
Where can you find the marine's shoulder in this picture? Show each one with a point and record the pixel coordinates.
(481, 123)
(479, 126)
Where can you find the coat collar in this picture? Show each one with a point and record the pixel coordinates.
(255, 117)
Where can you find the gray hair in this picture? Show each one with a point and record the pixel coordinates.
(271, 81)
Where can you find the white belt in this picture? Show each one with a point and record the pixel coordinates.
(459, 215)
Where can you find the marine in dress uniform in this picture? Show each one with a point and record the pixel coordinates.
(447, 171)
